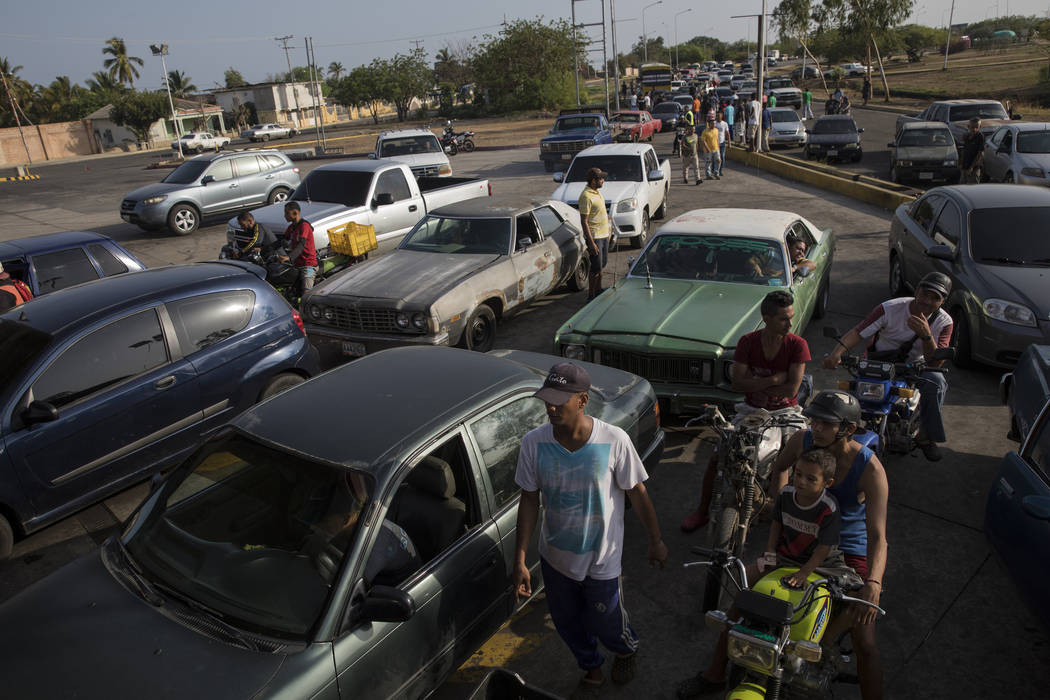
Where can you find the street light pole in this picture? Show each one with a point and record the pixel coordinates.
(948, 41)
(162, 51)
(677, 63)
(645, 37)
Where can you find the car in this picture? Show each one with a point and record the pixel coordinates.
(958, 113)
(53, 261)
(771, 62)
(451, 279)
(262, 566)
(787, 129)
(737, 80)
(419, 149)
(685, 100)
(573, 131)
(636, 190)
(210, 185)
(924, 152)
(989, 240)
(109, 381)
(668, 113)
(1019, 153)
(265, 132)
(1017, 515)
(694, 290)
(834, 137)
(725, 95)
(810, 72)
(853, 70)
(634, 125)
(1025, 389)
(199, 141)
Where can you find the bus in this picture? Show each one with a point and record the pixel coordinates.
(655, 76)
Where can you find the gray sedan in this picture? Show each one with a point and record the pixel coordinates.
(1019, 153)
(990, 239)
(788, 129)
(924, 151)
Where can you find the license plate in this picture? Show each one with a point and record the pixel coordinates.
(353, 349)
(566, 156)
(925, 176)
(832, 152)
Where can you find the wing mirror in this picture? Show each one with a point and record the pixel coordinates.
(860, 130)
(387, 604)
(940, 252)
(207, 179)
(382, 199)
(39, 412)
(559, 177)
(655, 175)
(372, 156)
(524, 243)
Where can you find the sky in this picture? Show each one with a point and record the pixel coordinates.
(49, 38)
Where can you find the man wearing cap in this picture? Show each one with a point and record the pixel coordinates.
(905, 330)
(13, 292)
(583, 467)
(594, 219)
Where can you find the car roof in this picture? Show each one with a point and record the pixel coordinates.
(749, 223)
(1031, 126)
(46, 242)
(783, 109)
(615, 149)
(835, 117)
(496, 205)
(400, 133)
(84, 304)
(995, 196)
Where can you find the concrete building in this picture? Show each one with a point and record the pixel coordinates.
(192, 116)
(283, 103)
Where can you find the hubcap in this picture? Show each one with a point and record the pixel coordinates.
(185, 220)
(280, 196)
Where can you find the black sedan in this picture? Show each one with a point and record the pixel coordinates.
(669, 114)
(834, 137)
(991, 241)
(353, 537)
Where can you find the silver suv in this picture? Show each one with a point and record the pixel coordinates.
(211, 184)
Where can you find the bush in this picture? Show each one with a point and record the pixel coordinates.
(1044, 74)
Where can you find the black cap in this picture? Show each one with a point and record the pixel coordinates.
(834, 407)
(938, 282)
(564, 380)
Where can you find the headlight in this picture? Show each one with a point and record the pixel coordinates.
(574, 352)
(155, 200)
(903, 163)
(419, 321)
(402, 320)
(545, 147)
(445, 170)
(871, 391)
(1032, 172)
(329, 313)
(589, 142)
(627, 205)
(315, 312)
(752, 652)
(951, 163)
(1009, 312)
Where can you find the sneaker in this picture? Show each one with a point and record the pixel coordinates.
(623, 669)
(718, 177)
(931, 451)
(694, 521)
(698, 687)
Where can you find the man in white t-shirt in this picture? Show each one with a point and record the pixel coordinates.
(583, 467)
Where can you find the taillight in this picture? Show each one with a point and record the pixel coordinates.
(490, 188)
(298, 321)
(656, 412)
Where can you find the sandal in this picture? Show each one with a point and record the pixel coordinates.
(587, 689)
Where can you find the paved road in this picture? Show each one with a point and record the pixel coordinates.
(955, 626)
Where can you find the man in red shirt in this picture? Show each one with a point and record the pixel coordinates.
(768, 366)
(300, 235)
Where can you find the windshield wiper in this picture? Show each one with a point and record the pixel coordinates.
(133, 575)
(216, 618)
(1009, 261)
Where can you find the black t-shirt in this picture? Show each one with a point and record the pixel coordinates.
(973, 145)
(7, 300)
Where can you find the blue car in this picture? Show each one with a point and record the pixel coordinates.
(55, 261)
(105, 383)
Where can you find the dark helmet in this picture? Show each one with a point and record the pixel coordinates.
(834, 407)
(938, 282)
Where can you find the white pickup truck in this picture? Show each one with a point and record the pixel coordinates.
(636, 189)
(380, 193)
(419, 149)
(200, 141)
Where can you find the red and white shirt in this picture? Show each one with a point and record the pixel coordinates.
(890, 320)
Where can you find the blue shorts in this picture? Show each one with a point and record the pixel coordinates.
(603, 254)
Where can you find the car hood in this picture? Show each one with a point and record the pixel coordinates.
(80, 634)
(926, 152)
(411, 276)
(570, 192)
(570, 135)
(717, 313)
(1024, 285)
(419, 159)
(790, 127)
(833, 139)
(155, 189)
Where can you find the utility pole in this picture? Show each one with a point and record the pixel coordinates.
(295, 93)
(948, 43)
(14, 111)
(316, 98)
(616, 56)
(417, 42)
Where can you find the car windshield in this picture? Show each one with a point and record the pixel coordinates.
(926, 137)
(187, 173)
(724, 91)
(253, 534)
(716, 258)
(20, 345)
(338, 187)
(626, 118)
(576, 123)
(439, 234)
(1010, 236)
(408, 146)
(834, 126)
(1033, 142)
(987, 110)
(666, 108)
(779, 116)
(618, 168)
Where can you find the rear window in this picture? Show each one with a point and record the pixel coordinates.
(408, 146)
(989, 110)
(20, 346)
(1033, 142)
(62, 269)
(347, 188)
(202, 321)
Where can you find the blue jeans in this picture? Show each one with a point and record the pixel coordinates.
(722, 155)
(932, 388)
(587, 611)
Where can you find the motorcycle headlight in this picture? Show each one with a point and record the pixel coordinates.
(315, 312)
(1009, 312)
(574, 352)
(155, 200)
(871, 391)
(903, 163)
(751, 651)
(1032, 172)
(402, 320)
(627, 205)
(419, 321)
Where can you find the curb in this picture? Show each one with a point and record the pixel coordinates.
(19, 178)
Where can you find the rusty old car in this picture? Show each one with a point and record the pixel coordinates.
(453, 277)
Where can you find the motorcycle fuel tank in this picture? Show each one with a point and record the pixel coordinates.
(812, 621)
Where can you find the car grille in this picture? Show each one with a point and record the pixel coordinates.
(567, 146)
(426, 171)
(127, 206)
(689, 370)
(364, 319)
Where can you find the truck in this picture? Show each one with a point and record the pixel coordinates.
(419, 149)
(200, 141)
(773, 53)
(380, 193)
(957, 114)
(572, 132)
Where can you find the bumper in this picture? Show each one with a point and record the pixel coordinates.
(833, 151)
(1030, 180)
(627, 225)
(1001, 344)
(148, 215)
(558, 157)
(336, 347)
(689, 399)
(922, 173)
(787, 139)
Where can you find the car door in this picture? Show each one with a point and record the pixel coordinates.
(993, 155)
(655, 188)
(219, 189)
(459, 593)
(565, 235)
(916, 238)
(122, 392)
(536, 265)
(396, 219)
(252, 183)
(946, 230)
(1004, 158)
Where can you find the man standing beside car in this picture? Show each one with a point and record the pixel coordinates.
(973, 153)
(807, 105)
(594, 220)
(583, 467)
(302, 253)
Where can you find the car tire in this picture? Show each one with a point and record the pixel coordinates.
(266, 137)
(580, 277)
(961, 339)
(7, 538)
(895, 176)
(1008, 178)
(661, 211)
(548, 166)
(643, 235)
(279, 194)
(807, 154)
(858, 156)
(480, 332)
(183, 219)
(279, 384)
(199, 150)
(897, 284)
(820, 309)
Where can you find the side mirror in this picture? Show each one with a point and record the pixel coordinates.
(524, 243)
(655, 175)
(39, 412)
(891, 145)
(831, 332)
(860, 130)
(940, 252)
(559, 177)
(207, 179)
(387, 604)
(382, 199)
(372, 156)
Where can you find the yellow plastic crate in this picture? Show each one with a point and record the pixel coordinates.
(352, 239)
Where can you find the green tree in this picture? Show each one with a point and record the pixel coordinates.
(299, 74)
(61, 101)
(529, 66)
(21, 90)
(335, 70)
(362, 87)
(137, 110)
(916, 40)
(870, 19)
(404, 78)
(181, 84)
(120, 65)
(234, 78)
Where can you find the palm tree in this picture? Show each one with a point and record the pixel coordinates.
(121, 66)
(22, 91)
(100, 82)
(180, 84)
(60, 101)
(335, 69)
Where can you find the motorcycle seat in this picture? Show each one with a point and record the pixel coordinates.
(755, 605)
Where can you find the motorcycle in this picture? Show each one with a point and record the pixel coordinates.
(889, 396)
(747, 450)
(282, 274)
(448, 141)
(775, 646)
(465, 141)
(833, 106)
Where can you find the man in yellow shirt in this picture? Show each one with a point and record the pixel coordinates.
(596, 228)
(709, 145)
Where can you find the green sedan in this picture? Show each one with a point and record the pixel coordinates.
(695, 289)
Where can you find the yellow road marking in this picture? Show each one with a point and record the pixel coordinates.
(500, 650)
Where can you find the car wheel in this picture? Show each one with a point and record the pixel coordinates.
(821, 308)
(548, 166)
(579, 278)
(468, 146)
(480, 332)
(895, 176)
(280, 383)
(858, 156)
(279, 194)
(897, 287)
(643, 235)
(961, 339)
(807, 154)
(266, 137)
(183, 219)
(199, 149)
(1008, 177)
(661, 212)
(7, 538)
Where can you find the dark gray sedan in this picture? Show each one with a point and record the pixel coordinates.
(353, 537)
(834, 137)
(991, 240)
(924, 152)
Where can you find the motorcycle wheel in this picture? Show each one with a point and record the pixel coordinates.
(468, 146)
(724, 528)
(452, 148)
